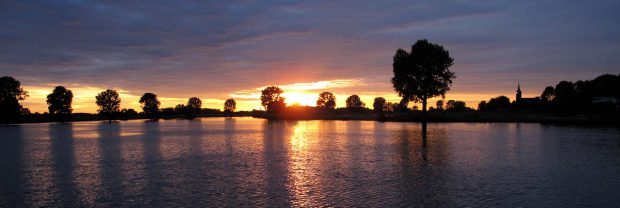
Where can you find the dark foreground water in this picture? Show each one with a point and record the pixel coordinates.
(251, 162)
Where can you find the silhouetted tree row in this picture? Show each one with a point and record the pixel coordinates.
(419, 74)
(451, 106)
(499, 103)
(60, 101)
(598, 95)
(590, 96)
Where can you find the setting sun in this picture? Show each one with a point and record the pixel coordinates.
(300, 98)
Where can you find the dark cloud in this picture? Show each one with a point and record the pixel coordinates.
(218, 47)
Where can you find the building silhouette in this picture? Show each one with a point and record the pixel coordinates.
(525, 103)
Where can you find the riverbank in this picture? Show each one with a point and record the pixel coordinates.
(44, 118)
(612, 119)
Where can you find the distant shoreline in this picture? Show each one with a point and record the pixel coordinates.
(94, 117)
(466, 117)
(612, 119)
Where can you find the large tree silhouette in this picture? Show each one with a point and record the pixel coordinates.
(230, 106)
(109, 103)
(548, 94)
(150, 104)
(354, 101)
(59, 102)
(193, 106)
(498, 103)
(566, 96)
(379, 104)
(271, 100)
(422, 73)
(326, 100)
(10, 95)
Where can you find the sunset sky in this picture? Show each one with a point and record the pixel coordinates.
(232, 49)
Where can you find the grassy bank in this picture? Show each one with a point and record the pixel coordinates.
(43, 118)
(581, 119)
(609, 119)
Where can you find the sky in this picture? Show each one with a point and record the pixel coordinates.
(217, 50)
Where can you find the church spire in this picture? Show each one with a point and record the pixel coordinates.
(518, 91)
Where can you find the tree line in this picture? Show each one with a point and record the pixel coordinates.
(419, 74)
(60, 101)
(598, 95)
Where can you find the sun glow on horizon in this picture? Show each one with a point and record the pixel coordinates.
(300, 98)
(303, 94)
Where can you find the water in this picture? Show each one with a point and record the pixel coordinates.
(251, 162)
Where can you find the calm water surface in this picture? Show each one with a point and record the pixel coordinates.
(251, 162)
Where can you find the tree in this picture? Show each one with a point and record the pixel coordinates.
(271, 100)
(180, 109)
(422, 73)
(439, 105)
(193, 106)
(606, 85)
(230, 106)
(565, 96)
(109, 103)
(548, 94)
(379, 104)
(150, 104)
(326, 100)
(456, 106)
(498, 103)
(482, 106)
(194, 103)
(354, 101)
(276, 106)
(403, 105)
(128, 113)
(10, 95)
(167, 112)
(59, 102)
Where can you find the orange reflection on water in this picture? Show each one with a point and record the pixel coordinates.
(301, 163)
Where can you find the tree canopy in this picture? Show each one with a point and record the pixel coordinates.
(271, 99)
(109, 103)
(498, 103)
(548, 94)
(194, 103)
(354, 101)
(456, 106)
(230, 105)
(379, 104)
(150, 104)
(59, 101)
(193, 106)
(326, 100)
(422, 73)
(439, 105)
(10, 95)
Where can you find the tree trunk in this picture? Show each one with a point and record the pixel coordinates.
(424, 105)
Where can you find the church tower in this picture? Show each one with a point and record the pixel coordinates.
(518, 92)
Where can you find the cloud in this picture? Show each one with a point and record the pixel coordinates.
(306, 87)
(217, 48)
